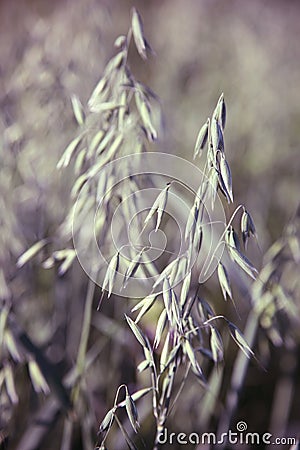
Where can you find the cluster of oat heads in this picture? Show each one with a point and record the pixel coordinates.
(121, 117)
(275, 293)
(186, 330)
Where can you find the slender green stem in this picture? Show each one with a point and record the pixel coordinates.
(86, 324)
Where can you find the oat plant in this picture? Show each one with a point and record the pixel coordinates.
(122, 118)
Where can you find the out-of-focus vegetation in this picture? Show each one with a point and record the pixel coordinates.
(51, 50)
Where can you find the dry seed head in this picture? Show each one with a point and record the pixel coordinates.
(247, 226)
(164, 353)
(216, 345)
(70, 256)
(31, 252)
(167, 297)
(192, 357)
(201, 138)
(3, 321)
(120, 42)
(38, 381)
(192, 221)
(242, 262)
(95, 98)
(111, 273)
(48, 263)
(204, 309)
(10, 384)
(138, 34)
(159, 206)
(197, 241)
(107, 421)
(224, 281)
(79, 161)
(170, 358)
(144, 110)
(150, 300)
(220, 111)
(131, 411)
(167, 272)
(143, 365)
(222, 114)
(225, 178)
(179, 271)
(68, 153)
(217, 139)
(161, 323)
(78, 109)
(213, 185)
(138, 333)
(231, 238)
(106, 106)
(115, 64)
(176, 311)
(185, 289)
(238, 337)
(10, 344)
(133, 266)
(97, 138)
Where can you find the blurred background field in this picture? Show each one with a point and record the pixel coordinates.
(51, 50)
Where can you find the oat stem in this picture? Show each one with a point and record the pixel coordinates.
(85, 331)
